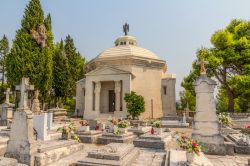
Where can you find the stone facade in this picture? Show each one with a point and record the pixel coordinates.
(120, 70)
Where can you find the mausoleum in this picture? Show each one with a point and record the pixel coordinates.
(119, 70)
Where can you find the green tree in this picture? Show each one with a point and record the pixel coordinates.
(229, 64)
(135, 104)
(4, 50)
(76, 65)
(31, 53)
(60, 72)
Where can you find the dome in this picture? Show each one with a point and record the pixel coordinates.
(127, 46)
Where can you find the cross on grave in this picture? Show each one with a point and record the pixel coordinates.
(24, 88)
(7, 94)
(202, 63)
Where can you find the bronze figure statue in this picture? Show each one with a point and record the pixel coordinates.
(126, 29)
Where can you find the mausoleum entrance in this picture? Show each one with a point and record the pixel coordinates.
(108, 103)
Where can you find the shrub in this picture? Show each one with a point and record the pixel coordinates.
(135, 104)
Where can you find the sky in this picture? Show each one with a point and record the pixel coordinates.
(173, 30)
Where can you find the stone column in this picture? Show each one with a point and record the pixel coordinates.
(97, 96)
(117, 95)
(206, 127)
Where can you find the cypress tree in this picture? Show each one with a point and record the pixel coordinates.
(76, 65)
(60, 72)
(31, 54)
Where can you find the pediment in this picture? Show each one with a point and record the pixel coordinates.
(107, 71)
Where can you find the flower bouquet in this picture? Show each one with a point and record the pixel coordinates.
(84, 125)
(157, 127)
(68, 132)
(191, 147)
(122, 126)
(224, 119)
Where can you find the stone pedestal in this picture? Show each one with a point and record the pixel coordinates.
(140, 130)
(114, 154)
(6, 114)
(206, 126)
(154, 141)
(22, 145)
(107, 138)
(89, 136)
(40, 125)
(50, 120)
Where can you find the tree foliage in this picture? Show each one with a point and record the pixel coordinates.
(229, 64)
(60, 72)
(135, 104)
(76, 65)
(27, 58)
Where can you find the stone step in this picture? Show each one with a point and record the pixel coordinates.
(4, 161)
(52, 151)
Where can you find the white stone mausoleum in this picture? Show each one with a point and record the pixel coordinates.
(119, 70)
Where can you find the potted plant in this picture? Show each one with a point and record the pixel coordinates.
(122, 126)
(157, 127)
(84, 125)
(113, 126)
(66, 131)
(191, 147)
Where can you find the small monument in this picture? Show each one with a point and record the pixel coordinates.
(36, 104)
(6, 113)
(112, 154)
(206, 126)
(22, 145)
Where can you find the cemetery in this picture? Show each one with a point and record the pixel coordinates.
(120, 108)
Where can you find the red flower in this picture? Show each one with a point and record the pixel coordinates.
(194, 144)
(248, 127)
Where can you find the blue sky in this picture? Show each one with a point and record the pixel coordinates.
(171, 29)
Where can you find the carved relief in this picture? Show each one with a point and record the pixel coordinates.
(40, 35)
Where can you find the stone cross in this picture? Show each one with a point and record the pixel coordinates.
(7, 93)
(24, 88)
(202, 63)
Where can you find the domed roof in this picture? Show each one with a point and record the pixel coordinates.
(127, 46)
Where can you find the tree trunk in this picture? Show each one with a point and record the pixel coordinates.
(230, 97)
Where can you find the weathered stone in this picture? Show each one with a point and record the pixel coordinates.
(179, 158)
(153, 141)
(114, 154)
(52, 151)
(89, 136)
(107, 138)
(140, 130)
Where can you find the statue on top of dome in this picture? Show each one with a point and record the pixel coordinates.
(126, 28)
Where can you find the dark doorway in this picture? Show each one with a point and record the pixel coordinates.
(111, 100)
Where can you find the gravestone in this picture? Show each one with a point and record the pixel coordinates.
(50, 120)
(154, 141)
(206, 127)
(89, 136)
(22, 145)
(114, 154)
(107, 138)
(6, 113)
(40, 125)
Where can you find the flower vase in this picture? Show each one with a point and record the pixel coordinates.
(190, 157)
(158, 131)
(123, 130)
(152, 131)
(66, 136)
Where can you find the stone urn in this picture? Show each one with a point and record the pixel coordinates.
(123, 130)
(158, 131)
(66, 136)
(190, 157)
